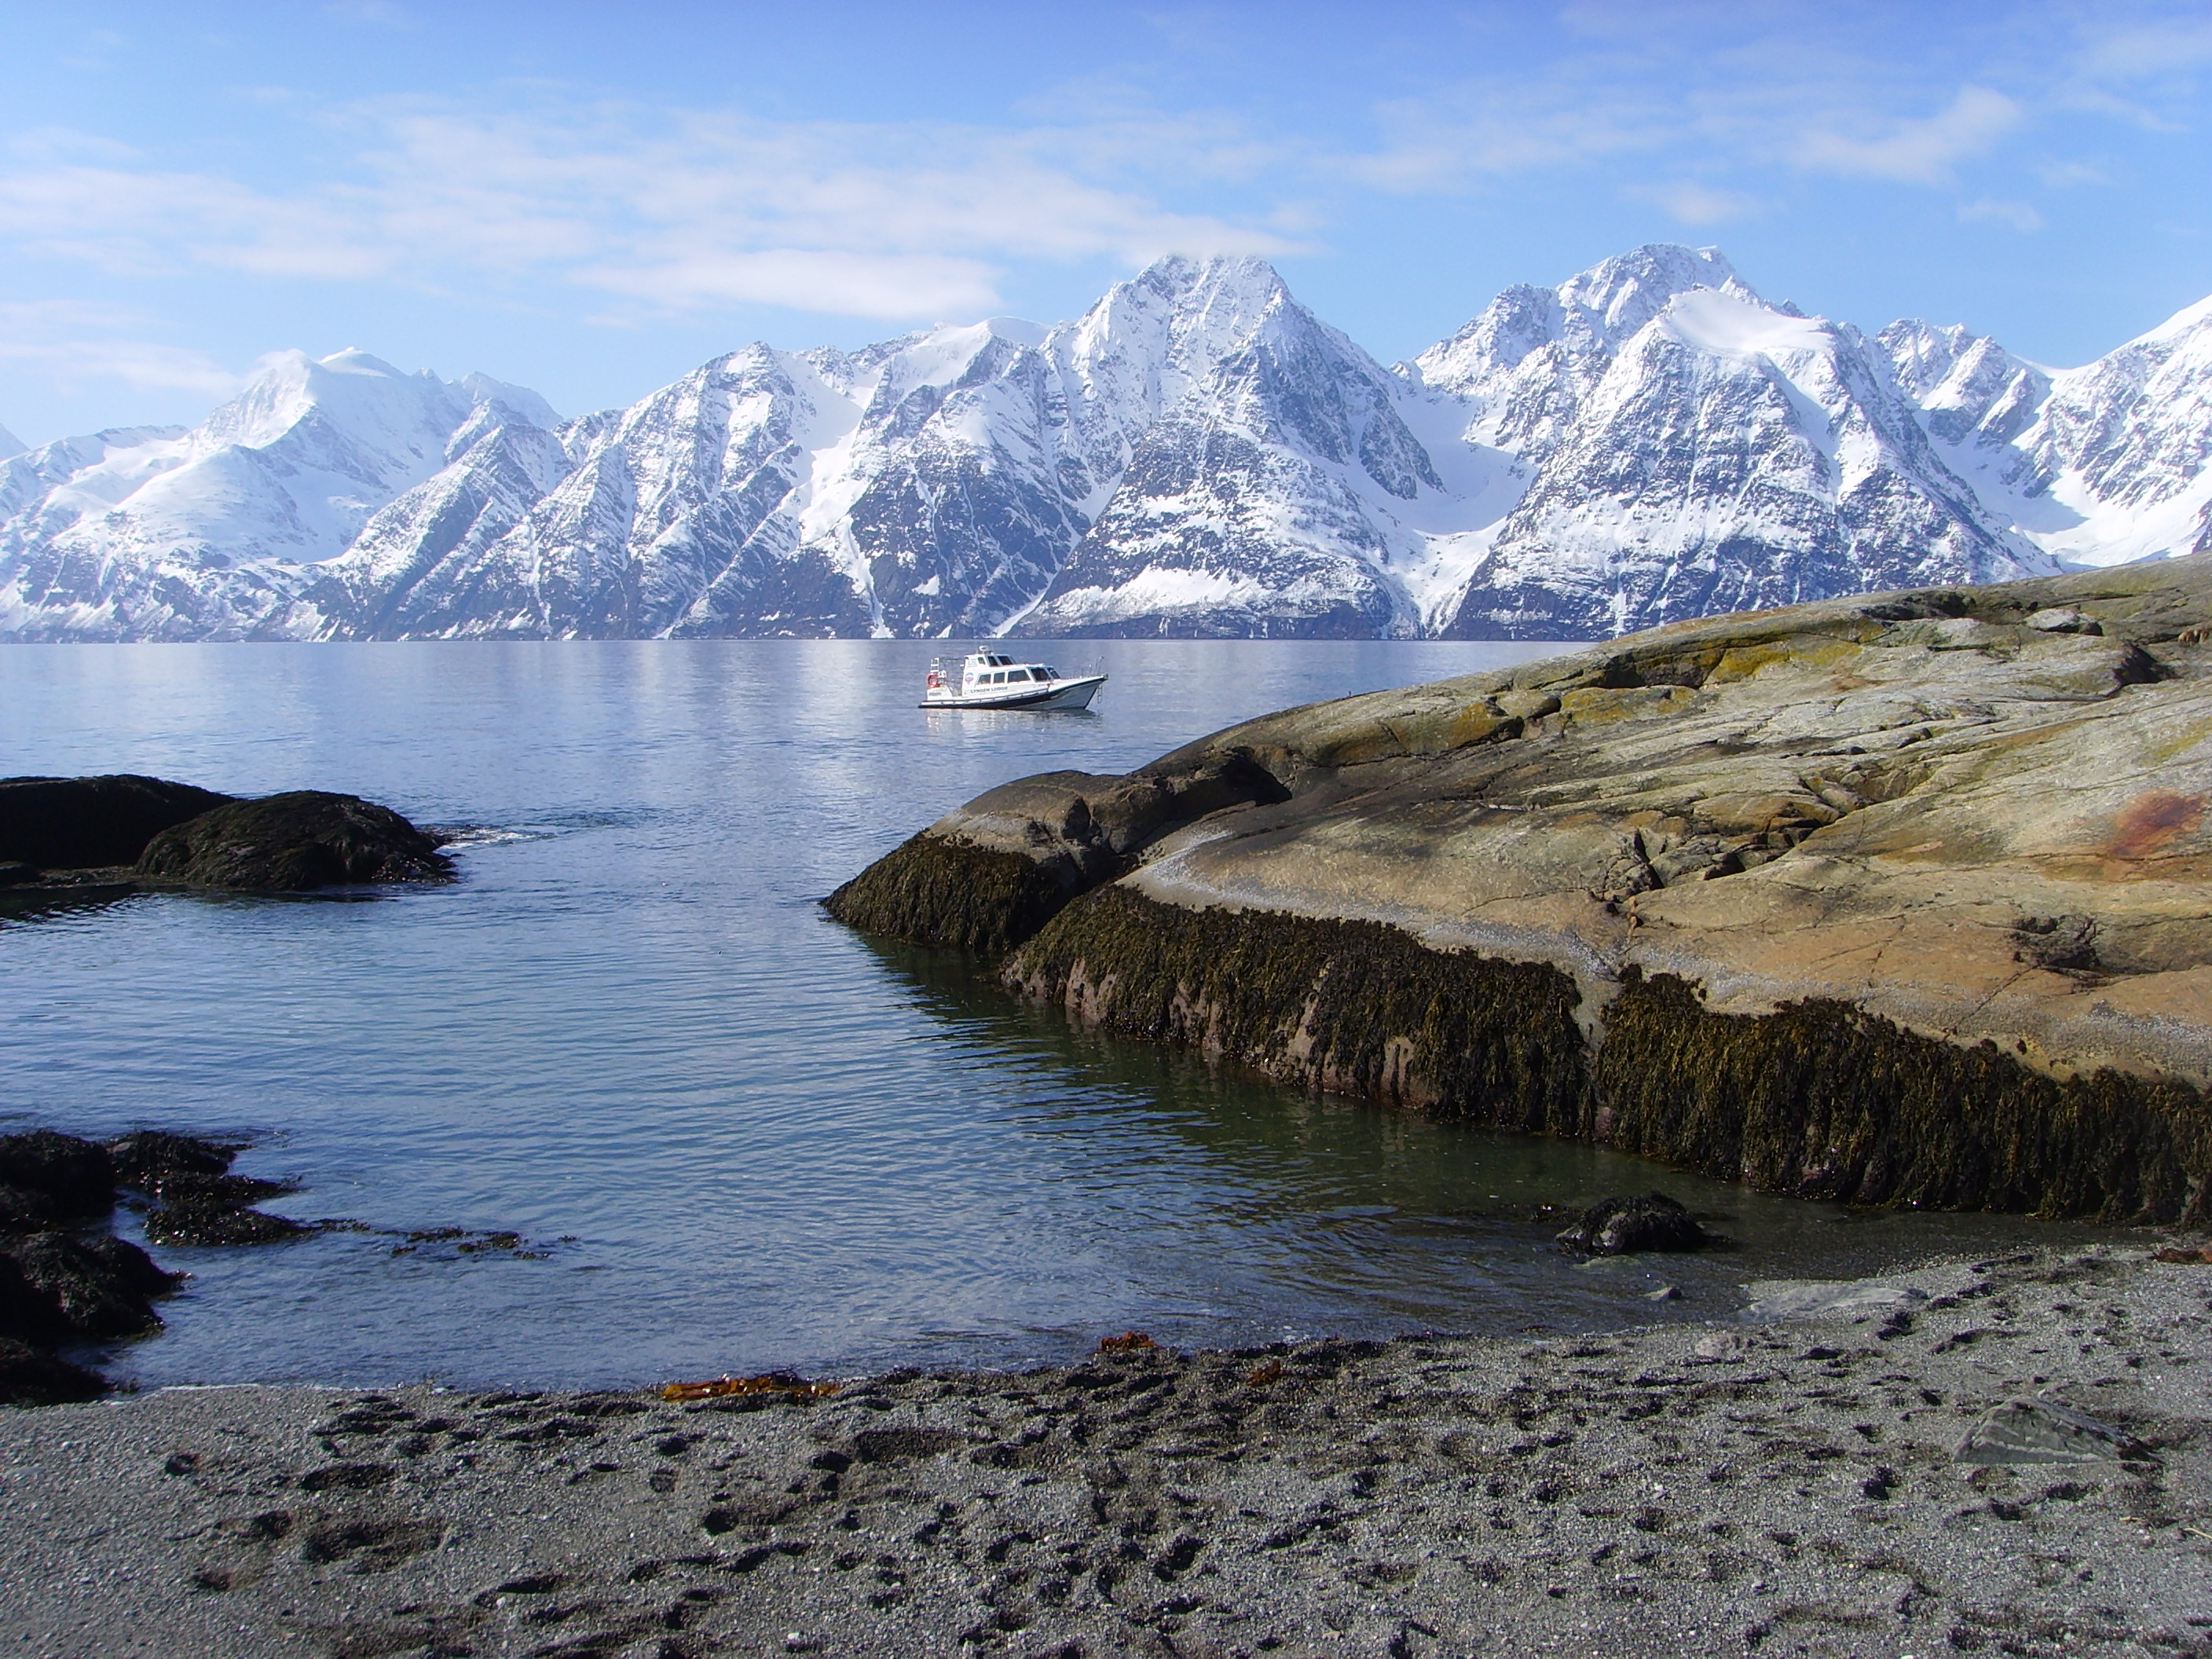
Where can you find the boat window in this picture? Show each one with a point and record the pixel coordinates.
(1047, 674)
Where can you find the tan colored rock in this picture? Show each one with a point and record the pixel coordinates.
(1900, 811)
(1909, 895)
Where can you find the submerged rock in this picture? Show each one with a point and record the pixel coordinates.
(295, 843)
(1627, 1226)
(75, 823)
(217, 1220)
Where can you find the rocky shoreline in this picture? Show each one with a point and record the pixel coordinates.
(1906, 898)
(2005, 1456)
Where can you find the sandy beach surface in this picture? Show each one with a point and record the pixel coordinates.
(1787, 1479)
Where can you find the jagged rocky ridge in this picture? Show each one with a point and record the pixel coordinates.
(1196, 455)
(1900, 898)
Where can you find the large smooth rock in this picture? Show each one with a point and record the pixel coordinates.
(295, 843)
(1897, 897)
(72, 823)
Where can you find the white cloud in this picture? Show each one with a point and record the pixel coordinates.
(890, 286)
(71, 342)
(1924, 151)
(684, 210)
(2021, 215)
(2062, 175)
(2146, 51)
(1694, 203)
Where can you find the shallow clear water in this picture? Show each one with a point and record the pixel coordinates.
(740, 1135)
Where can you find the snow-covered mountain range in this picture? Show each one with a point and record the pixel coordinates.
(1197, 454)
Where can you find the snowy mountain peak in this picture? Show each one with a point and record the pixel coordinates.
(1578, 325)
(10, 444)
(1198, 454)
(1608, 304)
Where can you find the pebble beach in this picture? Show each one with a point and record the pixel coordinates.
(2003, 1456)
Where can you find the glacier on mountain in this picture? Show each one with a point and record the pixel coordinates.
(1196, 455)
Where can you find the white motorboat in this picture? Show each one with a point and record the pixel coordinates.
(984, 680)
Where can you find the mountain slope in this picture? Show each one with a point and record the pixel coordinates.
(1198, 454)
(2097, 465)
(168, 533)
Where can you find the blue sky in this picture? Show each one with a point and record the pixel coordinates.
(590, 200)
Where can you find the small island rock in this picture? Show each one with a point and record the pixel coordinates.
(80, 823)
(1627, 1226)
(295, 843)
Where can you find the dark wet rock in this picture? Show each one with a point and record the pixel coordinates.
(75, 823)
(14, 872)
(23, 1212)
(55, 1178)
(145, 1157)
(295, 843)
(1624, 1226)
(29, 1376)
(93, 1290)
(234, 1192)
(27, 1313)
(216, 1221)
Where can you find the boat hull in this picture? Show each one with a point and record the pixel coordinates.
(1058, 695)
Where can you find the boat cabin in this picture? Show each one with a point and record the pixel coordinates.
(986, 668)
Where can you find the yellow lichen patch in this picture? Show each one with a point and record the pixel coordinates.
(1804, 652)
(1527, 704)
(1759, 812)
(1357, 743)
(1598, 705)
(1479, 723)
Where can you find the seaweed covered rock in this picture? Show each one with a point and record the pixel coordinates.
(213, 1218)
(145, 1158)
(1629, 1226)
(199, 1200)
(31, 1376)
(988, 877)
(73, 823)
(295, 843)
(46, 1177)
(92, 1290)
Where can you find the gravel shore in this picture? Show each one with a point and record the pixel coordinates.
(1785, 1480)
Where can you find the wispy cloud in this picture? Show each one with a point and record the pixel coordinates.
(2021, 215)
(73, 343)
(683, 211)
(1923, 151)
(1692, 203)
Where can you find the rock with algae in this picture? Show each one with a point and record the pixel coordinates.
(1902, 898)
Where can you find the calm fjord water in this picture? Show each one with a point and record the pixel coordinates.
(742, 1136)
